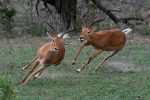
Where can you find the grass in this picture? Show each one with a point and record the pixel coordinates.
(63, 83)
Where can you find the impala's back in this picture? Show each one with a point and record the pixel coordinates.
(108, 40)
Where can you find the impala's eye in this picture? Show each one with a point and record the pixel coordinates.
(89, 32)
(81, 39)
(53, 40)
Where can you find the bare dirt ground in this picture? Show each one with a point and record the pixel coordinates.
(120, 67)
(138, 39)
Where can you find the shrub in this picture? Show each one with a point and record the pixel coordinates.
(7, 90)
(34, 31)
(78, 28)
(6, 18)
(144, 31)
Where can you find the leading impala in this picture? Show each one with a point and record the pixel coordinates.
(106, 40)
(51, 53)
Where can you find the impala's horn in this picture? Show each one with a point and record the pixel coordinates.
(97, 21)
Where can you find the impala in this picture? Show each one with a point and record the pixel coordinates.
(51, 53)
(106, 40)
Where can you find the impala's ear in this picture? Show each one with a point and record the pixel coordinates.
(60, 35)
(66, 36)
(83, 26)
(49, 35)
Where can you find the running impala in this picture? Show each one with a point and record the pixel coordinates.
(51, 53)
(106, 40)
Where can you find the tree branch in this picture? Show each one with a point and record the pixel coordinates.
(113, 17)
(107, 12)
(65, 8)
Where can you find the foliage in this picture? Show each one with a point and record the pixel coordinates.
(6, 17)
(7, 90)
(7, 13)
(144, 31)
(78, 27)
(34, 31)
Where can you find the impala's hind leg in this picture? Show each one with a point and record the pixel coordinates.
(37, 76)
(32, 69)
(97, 52)
(25, 67)
(106, 58)
(33, 74)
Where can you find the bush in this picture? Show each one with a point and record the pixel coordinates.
(7, 90)
(34, 31)
(144, 31)
(6, 18)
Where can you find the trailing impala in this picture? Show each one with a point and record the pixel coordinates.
(106, 40)
(51, 53)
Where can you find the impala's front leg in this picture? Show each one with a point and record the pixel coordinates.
(82, 46)
(97, 52)
(29, 64)
(33, 74)
(106, 58)
(38, 75)
(35, 64)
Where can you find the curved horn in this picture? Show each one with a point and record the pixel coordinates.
(97, 21)
(55, 32)
(70, 30)
(83, 15)
(83, 21)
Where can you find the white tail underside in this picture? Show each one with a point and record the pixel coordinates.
(127, 31)
(64, 37)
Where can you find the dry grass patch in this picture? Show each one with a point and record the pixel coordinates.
(120, 67)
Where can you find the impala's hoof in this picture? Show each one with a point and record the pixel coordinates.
(92, 73)
(78, 70)
(21, 82)
(73, 62)
(24, 68)
(36, 76)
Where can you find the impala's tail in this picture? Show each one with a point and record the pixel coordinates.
(127, 31)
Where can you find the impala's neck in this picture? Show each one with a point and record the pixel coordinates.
(88, 38)
(59, 43)
(91, 38)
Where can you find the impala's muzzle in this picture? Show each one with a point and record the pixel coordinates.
(54, 49)
(81, 39)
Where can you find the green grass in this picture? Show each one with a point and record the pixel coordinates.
(63, 83)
